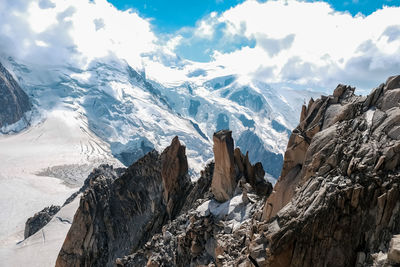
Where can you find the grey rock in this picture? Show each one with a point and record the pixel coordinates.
(14, 102)
(39, 220)
(117, 216)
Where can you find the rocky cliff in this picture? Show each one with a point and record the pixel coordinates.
(336, 202)
(122, 215)
(118, 214)
(13, 100)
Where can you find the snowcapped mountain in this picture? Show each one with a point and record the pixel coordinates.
(134, 114)
(109, 112)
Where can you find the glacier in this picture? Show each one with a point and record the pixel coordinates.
(134, 113)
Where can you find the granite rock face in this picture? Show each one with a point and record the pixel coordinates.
(231, 165)
(116, 216)
(43, 217)
(208, 233)
(337, 200)
(174, 174)
(14, 102)
(153, 215)
(224, 178)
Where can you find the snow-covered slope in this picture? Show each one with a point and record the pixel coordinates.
(44, 165)
(134, 114)
(109, 112)
(40, 249)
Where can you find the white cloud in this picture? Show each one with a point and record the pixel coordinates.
(72, 31)
(310, 43)
(282, 41)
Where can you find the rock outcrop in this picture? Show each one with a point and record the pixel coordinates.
(153, 215)
(337, 200)
(231, 165)
(39, 220)
(118, 215)
(336, 203)
(174, 174)
(224, 177)
(13, 100)
(43, 217)
(209, 233)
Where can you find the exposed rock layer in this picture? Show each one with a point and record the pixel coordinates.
(224, 178)
(13, 100)
(231, 165)
(337, 200)
(118, 216)
(39, 220)
(174, 174)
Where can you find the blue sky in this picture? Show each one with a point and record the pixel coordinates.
(175, 16)
(172, 15)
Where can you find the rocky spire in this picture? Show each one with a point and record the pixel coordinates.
(224, 177)
(174, 174)
(118, 215)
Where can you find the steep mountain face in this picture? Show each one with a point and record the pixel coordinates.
(117, 215)
(135, 114)
(337, 200)
(13, 100)
(120, 215)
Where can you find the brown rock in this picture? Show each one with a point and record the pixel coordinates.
(174, 175)
(394, 250)
(224, 180)
(239, 160)
(303, 113)
(393, 82)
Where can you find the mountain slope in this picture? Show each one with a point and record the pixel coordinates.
(135, 114)
(13, 100)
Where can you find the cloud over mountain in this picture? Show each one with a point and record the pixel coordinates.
(307, 43)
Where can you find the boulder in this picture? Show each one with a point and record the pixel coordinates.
(393, 82)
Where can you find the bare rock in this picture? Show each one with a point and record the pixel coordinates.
(393, 82)
(337, 200)
(394, 250)
(117, 215)
(39, 220)
(14, 102)
(174, 176)
(391, 99)
(224, 178)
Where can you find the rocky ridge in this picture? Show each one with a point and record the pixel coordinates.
(43, 217)
(14, 102)
(120, 216)
(336, 202)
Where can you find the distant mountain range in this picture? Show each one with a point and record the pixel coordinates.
(135, 114)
